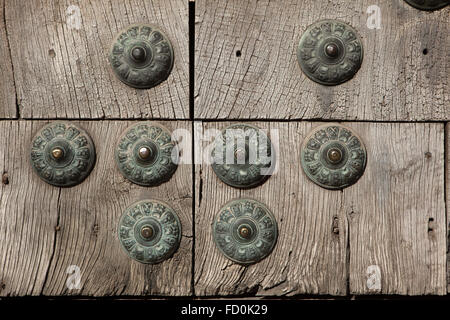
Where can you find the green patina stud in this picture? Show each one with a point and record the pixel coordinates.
(333, 156)
(330, 52)
(245, 231)
(141, 56)
(149, 231)
(242, 156)
(62, 154)
(428, 5)
(146, 154)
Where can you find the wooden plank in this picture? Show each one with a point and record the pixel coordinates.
(60, 57)
(7, 88)
(46, 229)
(28, 215)
(246, 65)
(308, 257)
(383, 220)
(396, 212)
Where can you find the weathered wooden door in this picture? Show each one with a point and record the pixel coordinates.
(385, 234)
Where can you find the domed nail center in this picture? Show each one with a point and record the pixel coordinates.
(240, 154)
(245, 232)
(147, 232)
(145, 153)
(138, 54)
(57, 153)
(332, 50)
(334, 155)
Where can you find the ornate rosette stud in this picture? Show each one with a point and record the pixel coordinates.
(62, 154)
(428, 5)
(330, 52)
(141, 56)
(149, 231)
(333, 156)
(245, 231)
(242, 156)
(146, 154)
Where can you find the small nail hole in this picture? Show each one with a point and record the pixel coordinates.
(430, 226)
(425, 51)
(238, 53)
(5, 178)
(51, 53)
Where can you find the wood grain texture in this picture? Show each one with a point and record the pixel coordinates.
(382, 220)
(46, 229)
(397, 81)
(308, 257)
(397, 211)
(28, 215)
(62, 68)
(7, 88)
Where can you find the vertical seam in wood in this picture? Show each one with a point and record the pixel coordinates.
(193, 209)
(12, 64)
(446, 177)
(191, 37)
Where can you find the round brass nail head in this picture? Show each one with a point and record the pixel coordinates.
(138, 54)
(242, 156)
(146, 155)
(245, 231)
(330, 52)
(57, 153)
(333, 156)
(62, 154)
(149, 231)
(141, 56)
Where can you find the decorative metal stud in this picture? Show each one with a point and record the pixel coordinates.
(242, 156)
(333, 156)
(141, 56)
(245, 231)
(62, 154)
(149, 231)
(146, 154)
(330, 52)
(428, 5)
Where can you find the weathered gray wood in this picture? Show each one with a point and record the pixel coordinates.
(396, 80)
(308, 257)
(383, 220)
(45, 229)
(62, 69)
(28, 215)
(396, 212)
(7, 88)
